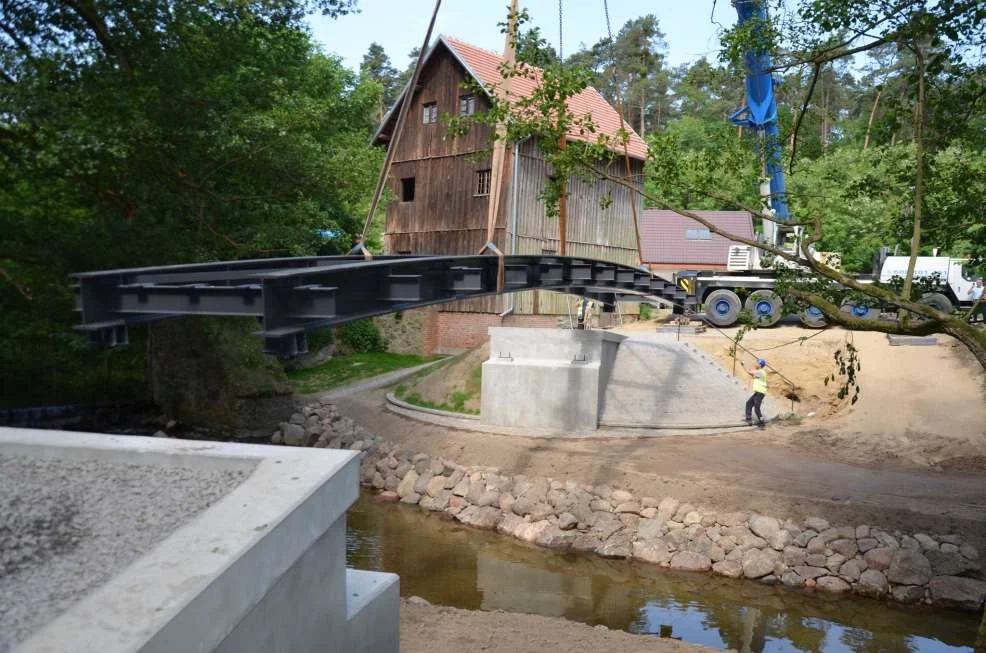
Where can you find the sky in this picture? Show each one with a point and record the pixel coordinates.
(400, 25)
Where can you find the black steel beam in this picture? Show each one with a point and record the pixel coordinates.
(295, 295)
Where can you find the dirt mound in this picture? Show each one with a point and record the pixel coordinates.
(454, 386)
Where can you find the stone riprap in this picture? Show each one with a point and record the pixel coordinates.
(67, 526)
(613, 523)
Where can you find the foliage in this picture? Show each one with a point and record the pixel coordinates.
(341, 370)
(150, 133)
(362, 336)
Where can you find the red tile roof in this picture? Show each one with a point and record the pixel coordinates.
(484, 65)
(664, 237)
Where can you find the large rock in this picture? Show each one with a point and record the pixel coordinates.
(793, 556)
(757, 564)
(780, 540)
(765, 527)
(619, 545)
(969, 551)
(421, 485)
(792, 579)
(486, 517)
(435, 485)
(294, 435)
(489, 498)
(667, 508)
(654, 551)
(540, 511)
(950, 564)
(406, 486)
(907, 593)
(817, 545)
(555, 538)
(867, 543)
(816, 524)
(926, 542)
(728, 568)
(604, 528)
(620, 496)
(872, 583)
(844, 546)
(832, 584)
(851, 570)
(649, 528)
(531, 531)
(732, 518)
(953, 592)
(909, 567)
(879, 558)
(567, 521)
(690, 561)
(806, 571)
(585, 542)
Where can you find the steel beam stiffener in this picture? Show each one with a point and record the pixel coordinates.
(292, 296)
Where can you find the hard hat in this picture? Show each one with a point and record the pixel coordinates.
(761, 362)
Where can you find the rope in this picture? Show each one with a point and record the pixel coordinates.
(561, 54)
(802, 339)
(392, 145)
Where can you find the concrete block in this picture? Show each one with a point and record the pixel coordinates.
(261, 569)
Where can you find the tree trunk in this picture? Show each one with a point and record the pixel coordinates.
(869, 124)
(918, 179)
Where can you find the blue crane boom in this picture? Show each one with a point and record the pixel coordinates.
(760, 111)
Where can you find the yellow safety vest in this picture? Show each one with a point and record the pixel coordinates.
(760, 385)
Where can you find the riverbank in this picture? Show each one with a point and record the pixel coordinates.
(593, 516)
(427, 628)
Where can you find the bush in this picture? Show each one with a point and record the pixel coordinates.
(362, 336)
(646, 311)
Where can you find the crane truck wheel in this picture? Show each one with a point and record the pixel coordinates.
(813, 318)
(860, 311)
(765, 307)
(937, 301)
(722, 307)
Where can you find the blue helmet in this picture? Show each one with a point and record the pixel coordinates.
(761, 362)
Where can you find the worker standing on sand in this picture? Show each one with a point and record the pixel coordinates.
(759, 391)
(978, 297)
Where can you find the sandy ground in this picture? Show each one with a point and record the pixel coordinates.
(427, 628)
(919, 407)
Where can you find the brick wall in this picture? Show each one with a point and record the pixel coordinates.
(460, 331)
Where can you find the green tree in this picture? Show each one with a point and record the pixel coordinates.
(377, 67)
(163, 132)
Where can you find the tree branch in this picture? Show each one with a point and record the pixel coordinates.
(816, 71)
(87, 11)
(21, 289)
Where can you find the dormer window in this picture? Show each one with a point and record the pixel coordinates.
(467, 105)
(429, 114)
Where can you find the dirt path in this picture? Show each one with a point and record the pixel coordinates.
(427, 628)
(746, 471)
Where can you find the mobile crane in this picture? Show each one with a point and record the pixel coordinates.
(750, 271)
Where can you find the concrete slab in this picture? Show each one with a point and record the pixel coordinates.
(261, 569)
(911, 341)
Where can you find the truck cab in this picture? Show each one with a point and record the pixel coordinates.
(955, 278)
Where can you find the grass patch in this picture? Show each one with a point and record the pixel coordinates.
(457, 403)
(341, 370)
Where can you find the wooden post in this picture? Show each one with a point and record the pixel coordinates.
(563, 207)
(499, 147)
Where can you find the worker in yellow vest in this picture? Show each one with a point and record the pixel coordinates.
(583, 313)
(759, 391)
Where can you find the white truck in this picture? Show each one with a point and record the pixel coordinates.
(721, 296)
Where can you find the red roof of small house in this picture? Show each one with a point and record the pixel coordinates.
(484, 66)
(667, 237)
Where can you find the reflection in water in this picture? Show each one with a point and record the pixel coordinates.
(450, 564)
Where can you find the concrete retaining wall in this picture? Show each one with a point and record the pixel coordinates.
(547, 378)
(263, 569)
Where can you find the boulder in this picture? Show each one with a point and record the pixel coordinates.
(541, 511)
(792, 579)
(690, 561)
(631, 507)
(851, 570)
(834, 562)
(862, 531)
(816, 524)
(872, 583)
(806, 571)
(293, 434)
(683, 509)
(691, 518)
(817, 559)
(555, 538)
(926, 542)
(531, 531)
(649, 529)
(510, 524)
(732, 518)
(805, 537)
(728, 568)
(618, 545)
(832, 584)
(601, 505)
(909, 567)
(411, 498)
(489, 498)
(605, 528)
(435, 485)
(567, 521)
(879, 558)
(654, 551)
(757, 564)
(969, 551)
(765, 527)
(406, 486)
(667, 508)
(954, 592)
(907, 593)
(845, 547)
(864, 544)
(421, 485)
(817, 545)
(950, 564)
(780, 540)
(793, 556)
(586, 542)
(486, 517)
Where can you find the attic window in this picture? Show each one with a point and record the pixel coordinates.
(483, 182)
(429, 114)
(698, 234)
(467, 105)
(407, 189)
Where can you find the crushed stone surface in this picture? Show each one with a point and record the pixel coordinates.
(66, 527)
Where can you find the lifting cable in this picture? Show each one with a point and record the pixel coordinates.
(360, 247)
(626, 150)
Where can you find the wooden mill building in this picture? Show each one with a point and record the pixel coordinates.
(441, 189)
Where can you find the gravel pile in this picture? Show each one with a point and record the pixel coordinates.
(66, 527)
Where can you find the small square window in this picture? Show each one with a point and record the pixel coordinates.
(467, 105)
(407, 189)
(429, 114)
(483, 178)
(698, 234)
